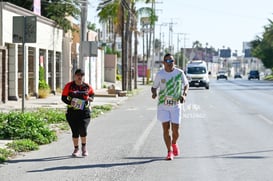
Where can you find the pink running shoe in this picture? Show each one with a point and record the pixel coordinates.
(76, 152)
(176, 151)
(169, 156)
(84, 151)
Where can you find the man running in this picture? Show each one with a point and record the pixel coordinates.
(173, 87)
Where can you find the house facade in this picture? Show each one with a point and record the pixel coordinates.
(52, 51)
(46, 52)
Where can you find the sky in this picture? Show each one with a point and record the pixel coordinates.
(217, 23)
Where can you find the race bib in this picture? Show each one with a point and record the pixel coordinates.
(170, 101)
(78, 103)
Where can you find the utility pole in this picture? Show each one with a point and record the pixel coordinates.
(184, 50)
(83, 33)
(161, 40)
(178, 50)
(171, 36)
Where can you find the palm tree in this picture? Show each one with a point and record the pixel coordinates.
(150, 13)
(110, 16)
(118, 13)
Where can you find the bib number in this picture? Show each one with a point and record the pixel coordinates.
(169, 101)
(78, 103)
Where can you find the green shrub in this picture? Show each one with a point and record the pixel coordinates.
(4, 154)
(104, 86)
(3, 119)
(23, 145)
(269, 77)
(51, 115)
(27, 126)
(44, 89)
(118, 77)
(42, 82)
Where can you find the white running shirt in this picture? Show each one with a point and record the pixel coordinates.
(170, 86)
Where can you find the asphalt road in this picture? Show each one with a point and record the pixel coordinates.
(226, 134)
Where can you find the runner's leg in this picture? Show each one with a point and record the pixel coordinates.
(166, 135)
(175, 132)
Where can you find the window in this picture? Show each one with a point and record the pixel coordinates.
(196, 70)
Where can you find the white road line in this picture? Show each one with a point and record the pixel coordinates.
(143, 136)
(265, 119)
(131, 109)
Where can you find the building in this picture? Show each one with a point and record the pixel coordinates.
(46, 52)
(52, 51)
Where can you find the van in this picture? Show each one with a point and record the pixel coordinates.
(197, 73)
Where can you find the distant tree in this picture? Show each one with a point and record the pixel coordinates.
(262, 47)
(24, 4)
(110, 16)
(59, 10)
(196, 44)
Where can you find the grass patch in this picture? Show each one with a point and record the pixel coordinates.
(269, 77)
(23, 145)
(5, 154)
(98, 110)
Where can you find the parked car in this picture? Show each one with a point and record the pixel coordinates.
(254, 74)
(238, 76)
(222, 74)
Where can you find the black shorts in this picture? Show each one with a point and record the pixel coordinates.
(78, 121)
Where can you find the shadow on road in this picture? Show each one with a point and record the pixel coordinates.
(239, 155)
(103, 165)
(41, 159)
(141, 160)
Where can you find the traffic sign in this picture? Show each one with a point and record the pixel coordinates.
(24, 29)
(30, 29)
(18, 29)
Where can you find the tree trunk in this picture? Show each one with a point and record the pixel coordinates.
(130, 26)
(135, 55)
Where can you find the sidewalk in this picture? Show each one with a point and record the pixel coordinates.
(54, 101)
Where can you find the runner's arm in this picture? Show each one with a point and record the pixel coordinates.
(154, 93)
(65, 93)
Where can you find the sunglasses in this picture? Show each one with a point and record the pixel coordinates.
(169, 61)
